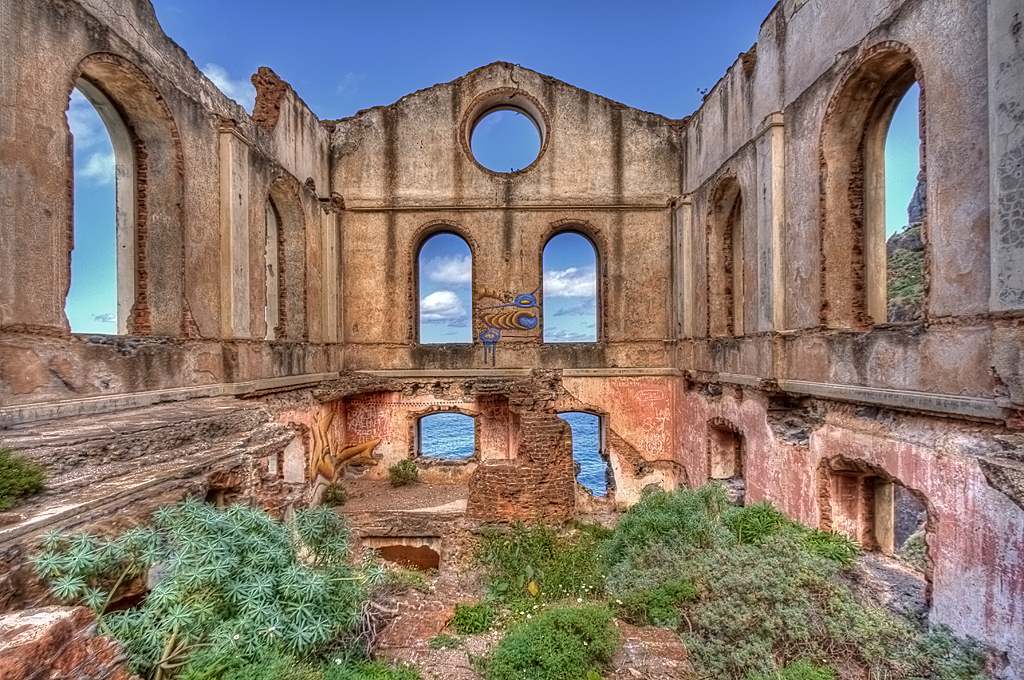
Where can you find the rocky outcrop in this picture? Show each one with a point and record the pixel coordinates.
(57, 642)
(905, 275)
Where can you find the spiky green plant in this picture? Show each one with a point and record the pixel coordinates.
(233, 581)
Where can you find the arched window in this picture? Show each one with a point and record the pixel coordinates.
(445, 273)
(905, 194)
(446, 435)
(149, 189)
(570, 298)
(102, 290)
(587, 450)
(271, 261)
(725, 259)
(854, 182)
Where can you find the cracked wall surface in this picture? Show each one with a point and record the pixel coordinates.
(764, 335)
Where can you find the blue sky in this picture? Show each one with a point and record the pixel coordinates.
(341, 57)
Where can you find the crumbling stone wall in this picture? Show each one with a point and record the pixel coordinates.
(540, 483)
(810, 373)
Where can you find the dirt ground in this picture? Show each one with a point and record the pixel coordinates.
(646, 653)
(380, 496)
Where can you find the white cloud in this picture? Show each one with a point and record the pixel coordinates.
(350, 83)
(85, 123)
(450, 269)
(108, 317)
(571, 282)
(241, 91)
(98, 169)
(443, 306)
(563, 335)
(588, 306)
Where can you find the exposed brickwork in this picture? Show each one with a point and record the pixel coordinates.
(539, 482)
(140, 321)
(724, 245)
(270, 89)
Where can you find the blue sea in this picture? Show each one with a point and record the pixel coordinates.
(450, 435)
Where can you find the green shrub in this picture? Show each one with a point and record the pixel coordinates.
(18, 477)
(334, 495)
(833, 545)
(659, 605)
(685, 519)
(234, 586)
(271, 664)
(798, 670)
(368, 670)
(754, 523)
(403, 579)
(403, 472)
(472, 619)
(234, 664)
(532, 563)
(443, 641)
(560, 643)
(755, 593)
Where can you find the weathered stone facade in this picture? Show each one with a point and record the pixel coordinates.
(742, 329)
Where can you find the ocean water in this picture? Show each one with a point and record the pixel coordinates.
(447, 435)
(586, 447)
(450, 435)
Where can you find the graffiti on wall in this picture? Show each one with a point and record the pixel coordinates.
(328, 459)
(516, 315)
(367, 418)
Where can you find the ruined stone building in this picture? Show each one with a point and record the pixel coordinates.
(742, 330)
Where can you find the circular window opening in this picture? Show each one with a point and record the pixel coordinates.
(505, 140)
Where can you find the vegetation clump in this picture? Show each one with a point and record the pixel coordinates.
(334, 495)
(237, 594)
(752, 594)
(403, 472)
(399, 579)
(905, 275)
(18, 477)
(532, 564)
(472, 619)
(443, 641)
(798, 670)
(556, 644)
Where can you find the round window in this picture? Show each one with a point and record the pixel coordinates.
(505, 140)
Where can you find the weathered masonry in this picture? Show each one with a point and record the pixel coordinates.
(268, 287)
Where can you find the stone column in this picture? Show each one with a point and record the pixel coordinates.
(683, 272)
(1006, 152)
(885, 516)
(330, 271)
(234, 232)
(770, 224)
